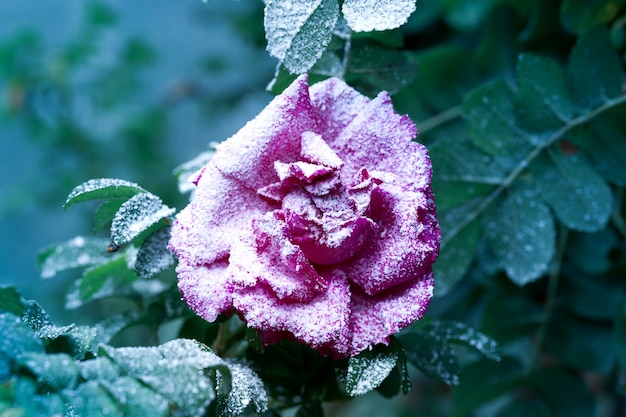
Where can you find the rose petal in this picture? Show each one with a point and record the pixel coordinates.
(374, 319)
(263, 255)
(273, 135)
(317, 151)
(381, 140)
(206, 289)
(321, 323)
(204, 231)
(405, 247)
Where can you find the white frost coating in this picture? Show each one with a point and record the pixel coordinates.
(298, 32)
(77, 252)
(99, 184)
(369, 15)
(246, 388)
(153, 256)
(136, 215)
(371, 373)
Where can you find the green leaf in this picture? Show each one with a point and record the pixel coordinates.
(432, 356)
(77, 252)
(511, 315)
(17, 337)
(105, 213)
(91, 399)
(595, 69)
(543, 98)
(298, 32)
(103, 188)
(579, 197)
(56, 371)
(373, 69)
(136, 215)
(490, 112)
(459, 160)
(135, 399)
(282, 79)
(591, 252)
(153, 256)
(429, 347)
(31, 403)
(246, 389)
(604, 141)
(103, 280)
(11, 300)
(582, 344)
(366, 16)
(484, 381)
(577, 16)
(559, 388)
(521, 233)
(456, 257)
(368, 369)
(170, 370)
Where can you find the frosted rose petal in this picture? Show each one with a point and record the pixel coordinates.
(264, 256)
(205, 230)
(374, 319)
(273, 135)
(206, 288)
(406, 245)
(321, 323)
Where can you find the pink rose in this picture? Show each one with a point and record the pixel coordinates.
(315, 222)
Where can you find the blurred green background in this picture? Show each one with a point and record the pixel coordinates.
(125, 89)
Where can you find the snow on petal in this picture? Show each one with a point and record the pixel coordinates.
(206, 288)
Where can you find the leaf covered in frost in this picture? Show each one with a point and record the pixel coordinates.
(521, 233)
(57, 371)
(298, 32)
(175, 370)
(369, 15)
(153, 256)
(429, 347)
(77, 252)
(103, 188)
(369, 369)
(246, 389)
(136, 215)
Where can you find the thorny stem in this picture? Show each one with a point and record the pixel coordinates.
(616, 215)
(439, 119)
(506, 183)
(553, 283)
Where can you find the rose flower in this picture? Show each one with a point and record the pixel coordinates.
(315, 222)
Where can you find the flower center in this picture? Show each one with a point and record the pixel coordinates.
(326, 218)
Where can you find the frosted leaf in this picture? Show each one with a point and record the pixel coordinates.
(185, 173)
(153, 256)
(298, 32)
(460, 333)
(16, 338)
(77, 252)
(246, 389)
(369, 15)
(135, 399)
(112, 325)
(137, 215)
(110, 188)
(176, 370)
(368, 370)
(55, 370)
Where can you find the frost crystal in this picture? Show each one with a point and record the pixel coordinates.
(369, 15)
(315, 222)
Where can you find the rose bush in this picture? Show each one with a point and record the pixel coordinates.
(315, 222)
